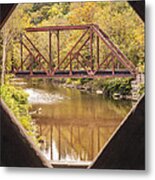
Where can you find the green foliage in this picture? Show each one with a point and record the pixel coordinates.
(141, 67)
(109, 86)
(16, 99)
(7, 78)
(44, 11)
(21, 97)
(85, 80)
(116, 85)
(78, 81)
(68, 81)
(122, 86)
(98, 84)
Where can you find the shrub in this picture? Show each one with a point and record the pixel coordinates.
(111, 86)
(117, 85)
(85, 80)
(17, 100)
(68, 81)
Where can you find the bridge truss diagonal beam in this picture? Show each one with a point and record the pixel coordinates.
(90, 65)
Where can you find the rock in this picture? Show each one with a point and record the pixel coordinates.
(70, 85)
(79, 87)
(117, 96)
(99, 92)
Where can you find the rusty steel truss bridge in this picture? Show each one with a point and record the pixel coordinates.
(76, 63)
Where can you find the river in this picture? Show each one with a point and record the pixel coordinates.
(74, 126)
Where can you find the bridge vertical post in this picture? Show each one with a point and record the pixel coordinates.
(91, 48)
(118, 65)
(98, 54)
(70, 72)
(58, 48)
(31, 64)
(113, 66)
(21, 51)
(50, 51)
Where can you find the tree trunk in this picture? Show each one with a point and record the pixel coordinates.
(3, 61)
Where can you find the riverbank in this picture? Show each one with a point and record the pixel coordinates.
(116, 88)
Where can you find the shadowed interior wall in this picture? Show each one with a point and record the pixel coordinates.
(139, 7)
(5, 12)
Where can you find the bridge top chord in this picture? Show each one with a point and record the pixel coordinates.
(60, 28)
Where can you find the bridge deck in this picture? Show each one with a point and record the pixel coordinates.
(75, 74)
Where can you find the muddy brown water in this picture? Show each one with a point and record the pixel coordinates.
(74, 125)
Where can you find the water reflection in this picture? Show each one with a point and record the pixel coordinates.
(78, 126)
(80, 143)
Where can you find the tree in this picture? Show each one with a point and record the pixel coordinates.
(6, 38)
(11, 30)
